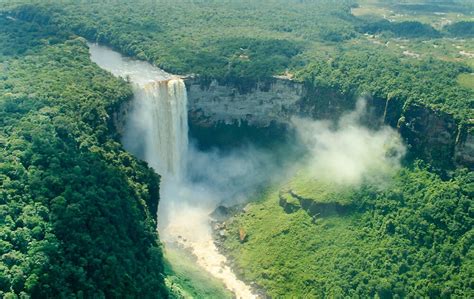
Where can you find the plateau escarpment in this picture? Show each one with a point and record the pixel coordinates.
(220, 112)
(224, 116)
(266, 103)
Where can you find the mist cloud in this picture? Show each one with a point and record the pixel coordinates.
(346, 152)
(213, 178)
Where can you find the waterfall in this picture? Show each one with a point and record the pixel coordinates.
(156, 131)
(166, 116)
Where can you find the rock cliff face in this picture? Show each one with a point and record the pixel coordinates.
(464, 150)
(266, 104)
(430, 134)
(120, 116)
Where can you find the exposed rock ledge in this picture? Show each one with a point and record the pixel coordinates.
(292, 202)
(267, 103)
(432, 135)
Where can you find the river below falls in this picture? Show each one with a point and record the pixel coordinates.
(191, 231)
(186, 223)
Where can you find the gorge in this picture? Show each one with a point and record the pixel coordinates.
(216, 106)
(194, 174)
(236, 149)
(156, 129)
(263, 114)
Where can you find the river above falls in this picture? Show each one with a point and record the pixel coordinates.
(136, 71)
(183, 217)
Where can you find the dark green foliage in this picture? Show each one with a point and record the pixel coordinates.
(409, 29)
(251, 60)
(242, 42)
(430, 82)
(432, 6)
(434, 221)
(461, 29)
(237, 42)
(76, 211)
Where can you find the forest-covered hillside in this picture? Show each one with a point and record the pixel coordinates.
(66, 183)
(78, 212)
(241, 42)
(413, 239)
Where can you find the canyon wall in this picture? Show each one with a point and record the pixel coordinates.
(432, 135)
(464, 149)
(119, 116)
(221, 115)
(266, 103)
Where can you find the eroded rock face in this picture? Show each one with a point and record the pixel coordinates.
(119, 117)
(430, 134)
(215, 103)
(291, 202)
(464, 151)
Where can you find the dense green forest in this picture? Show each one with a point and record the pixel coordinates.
(242, 42)
(66, 183)
(461, 29)
(413, 240)
(358, 71)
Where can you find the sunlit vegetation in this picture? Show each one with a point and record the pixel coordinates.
(414, 239)
(358, 71)
(66, 184)
(437, 14)
(466, 80)
(234, 40)
(320, 191)
(242, 42)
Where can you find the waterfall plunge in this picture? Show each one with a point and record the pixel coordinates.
(164, 109)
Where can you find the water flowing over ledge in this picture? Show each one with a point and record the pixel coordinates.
(163, 107)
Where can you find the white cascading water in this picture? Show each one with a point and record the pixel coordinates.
(166, 141)
(166, 146)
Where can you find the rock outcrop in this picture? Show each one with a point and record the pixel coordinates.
(464, 150)
(265, 104)
(291, 202)
(430, 134)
